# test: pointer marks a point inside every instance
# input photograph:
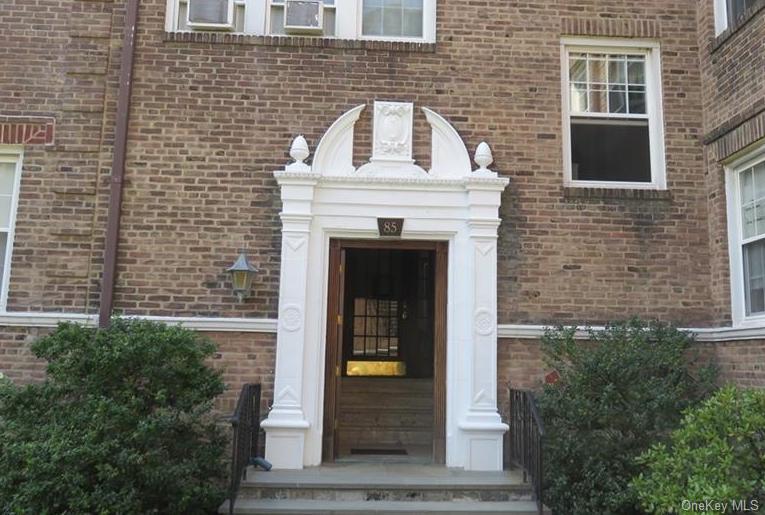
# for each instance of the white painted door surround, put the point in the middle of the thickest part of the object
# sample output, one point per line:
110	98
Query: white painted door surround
333	199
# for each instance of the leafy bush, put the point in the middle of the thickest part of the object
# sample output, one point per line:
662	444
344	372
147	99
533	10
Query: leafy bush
122	424
617	394
718	453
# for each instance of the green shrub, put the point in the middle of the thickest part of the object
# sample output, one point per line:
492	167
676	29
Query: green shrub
616	395
122	424
718	453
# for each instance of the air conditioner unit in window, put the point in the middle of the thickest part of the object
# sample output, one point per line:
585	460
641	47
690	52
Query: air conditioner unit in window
211	14
303	16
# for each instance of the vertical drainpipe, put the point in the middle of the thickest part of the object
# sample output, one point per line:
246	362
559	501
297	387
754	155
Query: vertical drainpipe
118	163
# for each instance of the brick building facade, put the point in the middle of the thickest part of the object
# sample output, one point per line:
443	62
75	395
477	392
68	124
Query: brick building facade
212	115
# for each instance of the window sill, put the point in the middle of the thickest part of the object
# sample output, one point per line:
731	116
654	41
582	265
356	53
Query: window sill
744	20
587	193
297	41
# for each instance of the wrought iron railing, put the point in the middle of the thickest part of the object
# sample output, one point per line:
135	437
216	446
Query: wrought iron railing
245	423
526	434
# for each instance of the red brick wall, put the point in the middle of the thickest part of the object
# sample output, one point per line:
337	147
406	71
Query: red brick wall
243	358
211	121
733	85
742	362
17	362
55	57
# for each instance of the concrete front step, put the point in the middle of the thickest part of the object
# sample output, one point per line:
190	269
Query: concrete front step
305	507
383	488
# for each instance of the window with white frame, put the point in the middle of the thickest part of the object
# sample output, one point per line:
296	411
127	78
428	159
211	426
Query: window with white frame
10	176
728	12
613	124
746	231
392	18
397	20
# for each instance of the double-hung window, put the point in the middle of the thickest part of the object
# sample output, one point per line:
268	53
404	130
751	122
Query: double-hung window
745	188
10	176
728	12
396	20
392	18
613	128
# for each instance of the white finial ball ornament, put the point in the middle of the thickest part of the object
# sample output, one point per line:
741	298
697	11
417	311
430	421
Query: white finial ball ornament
483	157
299	149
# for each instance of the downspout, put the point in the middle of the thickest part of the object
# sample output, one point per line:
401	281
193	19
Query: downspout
118	164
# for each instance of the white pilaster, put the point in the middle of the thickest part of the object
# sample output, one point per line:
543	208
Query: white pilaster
482	428
286	424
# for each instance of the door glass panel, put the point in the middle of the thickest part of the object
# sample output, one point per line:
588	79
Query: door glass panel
389	309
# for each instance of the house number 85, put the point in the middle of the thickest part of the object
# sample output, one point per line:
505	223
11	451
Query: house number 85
390	227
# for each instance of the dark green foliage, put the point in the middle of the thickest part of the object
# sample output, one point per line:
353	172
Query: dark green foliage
718	453
618	393
121	425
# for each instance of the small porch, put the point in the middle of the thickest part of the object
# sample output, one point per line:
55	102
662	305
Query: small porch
384	488
385	483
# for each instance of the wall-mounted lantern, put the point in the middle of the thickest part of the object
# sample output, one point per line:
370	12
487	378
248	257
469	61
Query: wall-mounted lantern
242	274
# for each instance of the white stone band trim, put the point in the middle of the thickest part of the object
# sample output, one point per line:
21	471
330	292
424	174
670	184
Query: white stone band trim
702	334
222	324
269	325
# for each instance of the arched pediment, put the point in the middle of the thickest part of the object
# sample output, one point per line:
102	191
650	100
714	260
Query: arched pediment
334	155
392	147
448	156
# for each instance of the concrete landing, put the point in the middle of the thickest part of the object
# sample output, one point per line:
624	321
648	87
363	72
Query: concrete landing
383	475
383	488
304	507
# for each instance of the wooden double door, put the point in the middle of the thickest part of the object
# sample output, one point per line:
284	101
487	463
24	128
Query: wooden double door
385	379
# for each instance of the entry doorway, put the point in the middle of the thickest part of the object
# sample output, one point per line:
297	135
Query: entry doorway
385	388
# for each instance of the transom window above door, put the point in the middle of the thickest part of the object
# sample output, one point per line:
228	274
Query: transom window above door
612	126
394	20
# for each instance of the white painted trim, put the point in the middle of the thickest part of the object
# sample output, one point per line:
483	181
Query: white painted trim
705	334
207	324
44	319
11	154
269	325
725	334
222	324
171	16
721	16
654	106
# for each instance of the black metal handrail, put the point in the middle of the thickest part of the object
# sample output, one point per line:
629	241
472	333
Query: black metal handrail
526	434
245	423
